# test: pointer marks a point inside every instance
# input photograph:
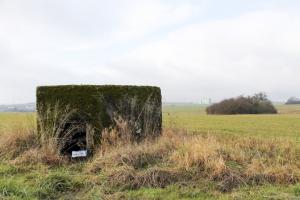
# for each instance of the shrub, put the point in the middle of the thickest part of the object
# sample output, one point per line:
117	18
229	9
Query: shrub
293	100
257	104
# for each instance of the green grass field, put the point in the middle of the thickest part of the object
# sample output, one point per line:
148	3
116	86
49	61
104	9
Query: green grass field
71	181
193	118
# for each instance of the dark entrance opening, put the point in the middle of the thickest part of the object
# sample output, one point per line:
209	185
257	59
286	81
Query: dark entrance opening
73	135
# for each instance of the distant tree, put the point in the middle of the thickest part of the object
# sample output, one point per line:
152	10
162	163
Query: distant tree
260	97
256	104
293	100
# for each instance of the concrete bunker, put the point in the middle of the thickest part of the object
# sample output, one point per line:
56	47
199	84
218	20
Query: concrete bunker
76	115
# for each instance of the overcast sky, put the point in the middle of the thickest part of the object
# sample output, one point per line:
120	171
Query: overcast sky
192	49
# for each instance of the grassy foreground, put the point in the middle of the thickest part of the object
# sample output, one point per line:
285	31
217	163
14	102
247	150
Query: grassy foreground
197	157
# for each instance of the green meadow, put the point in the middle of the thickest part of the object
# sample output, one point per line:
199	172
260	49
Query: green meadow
194	119
267	168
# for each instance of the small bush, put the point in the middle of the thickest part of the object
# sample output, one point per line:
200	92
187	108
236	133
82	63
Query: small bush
257	104
293	100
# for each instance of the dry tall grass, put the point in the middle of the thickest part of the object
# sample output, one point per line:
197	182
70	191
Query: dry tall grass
180	157
174	157
22	145
16	141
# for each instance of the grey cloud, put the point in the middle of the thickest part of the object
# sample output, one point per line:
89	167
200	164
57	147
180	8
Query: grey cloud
185	47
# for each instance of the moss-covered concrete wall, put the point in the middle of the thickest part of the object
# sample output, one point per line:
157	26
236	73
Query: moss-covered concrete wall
99	106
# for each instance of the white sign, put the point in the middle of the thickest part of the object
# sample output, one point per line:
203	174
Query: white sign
81	153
